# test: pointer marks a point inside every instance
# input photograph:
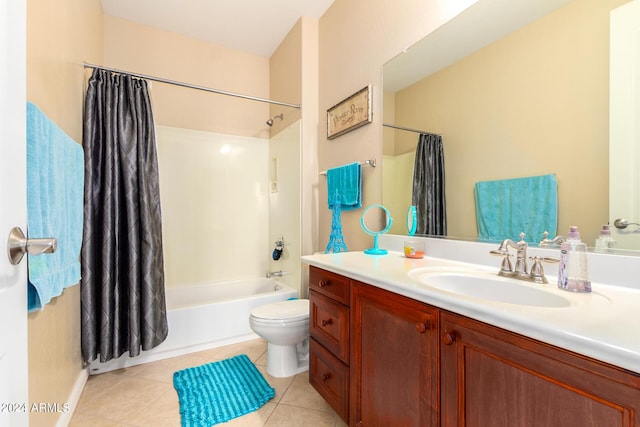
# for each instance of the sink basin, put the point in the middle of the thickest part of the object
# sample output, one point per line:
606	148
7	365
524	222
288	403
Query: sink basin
488	286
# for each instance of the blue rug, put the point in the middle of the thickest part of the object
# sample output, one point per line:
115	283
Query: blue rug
220	391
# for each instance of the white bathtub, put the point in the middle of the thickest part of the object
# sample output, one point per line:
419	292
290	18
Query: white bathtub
206	316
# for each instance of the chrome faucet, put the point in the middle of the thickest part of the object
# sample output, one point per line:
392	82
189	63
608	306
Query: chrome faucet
521	271
546	242
279	273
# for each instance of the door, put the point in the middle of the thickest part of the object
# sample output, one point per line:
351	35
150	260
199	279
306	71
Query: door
624	123
14	405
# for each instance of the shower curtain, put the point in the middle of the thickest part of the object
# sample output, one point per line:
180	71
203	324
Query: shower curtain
428	186
122	287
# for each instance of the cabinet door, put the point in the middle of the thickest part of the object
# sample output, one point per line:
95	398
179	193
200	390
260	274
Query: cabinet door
393	359
491	377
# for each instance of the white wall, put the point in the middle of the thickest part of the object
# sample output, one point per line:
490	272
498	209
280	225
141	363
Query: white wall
284	206
214	192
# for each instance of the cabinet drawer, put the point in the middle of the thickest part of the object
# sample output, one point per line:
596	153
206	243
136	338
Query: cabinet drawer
329	324
329	284
330	377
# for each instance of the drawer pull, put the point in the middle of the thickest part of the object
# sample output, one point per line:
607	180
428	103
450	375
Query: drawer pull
324	283
326	377
326	322
421	327
449	338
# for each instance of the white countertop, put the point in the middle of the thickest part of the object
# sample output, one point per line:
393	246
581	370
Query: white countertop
603	324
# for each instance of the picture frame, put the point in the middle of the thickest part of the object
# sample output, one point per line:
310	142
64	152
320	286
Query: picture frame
349	114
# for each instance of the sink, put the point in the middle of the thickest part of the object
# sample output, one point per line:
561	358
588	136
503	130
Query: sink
488	286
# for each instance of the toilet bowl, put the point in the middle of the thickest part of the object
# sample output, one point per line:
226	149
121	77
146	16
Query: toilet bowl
285	326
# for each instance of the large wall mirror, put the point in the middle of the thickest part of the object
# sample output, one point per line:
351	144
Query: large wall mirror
515	88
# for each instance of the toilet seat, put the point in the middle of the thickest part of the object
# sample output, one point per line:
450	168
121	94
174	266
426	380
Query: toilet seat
289	311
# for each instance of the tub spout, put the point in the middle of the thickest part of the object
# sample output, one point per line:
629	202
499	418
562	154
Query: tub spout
276	274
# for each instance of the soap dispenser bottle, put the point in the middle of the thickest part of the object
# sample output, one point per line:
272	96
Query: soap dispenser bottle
573	272
605	242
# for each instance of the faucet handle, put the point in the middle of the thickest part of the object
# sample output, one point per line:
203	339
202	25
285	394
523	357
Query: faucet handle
537	272
505	268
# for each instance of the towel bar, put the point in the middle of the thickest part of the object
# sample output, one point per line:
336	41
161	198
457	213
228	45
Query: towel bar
370	162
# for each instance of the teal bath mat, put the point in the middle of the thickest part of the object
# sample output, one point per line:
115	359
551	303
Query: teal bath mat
220	391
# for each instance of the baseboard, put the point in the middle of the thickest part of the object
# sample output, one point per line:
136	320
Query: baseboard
74	398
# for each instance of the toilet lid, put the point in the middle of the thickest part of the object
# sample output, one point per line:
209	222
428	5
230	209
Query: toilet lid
284	310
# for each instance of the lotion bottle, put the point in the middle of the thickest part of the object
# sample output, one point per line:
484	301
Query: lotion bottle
573	272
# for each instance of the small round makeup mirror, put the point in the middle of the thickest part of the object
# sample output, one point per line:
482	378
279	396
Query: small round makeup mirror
376	249
412	220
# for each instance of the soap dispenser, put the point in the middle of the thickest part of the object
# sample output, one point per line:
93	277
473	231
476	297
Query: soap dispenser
605	242
573	272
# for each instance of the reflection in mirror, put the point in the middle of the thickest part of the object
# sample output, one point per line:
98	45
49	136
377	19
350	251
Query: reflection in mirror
531	101
412	220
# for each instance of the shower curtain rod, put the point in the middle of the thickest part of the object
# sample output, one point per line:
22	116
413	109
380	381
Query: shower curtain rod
409	129
191	86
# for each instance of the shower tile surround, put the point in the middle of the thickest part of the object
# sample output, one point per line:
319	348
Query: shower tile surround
214	191
144	395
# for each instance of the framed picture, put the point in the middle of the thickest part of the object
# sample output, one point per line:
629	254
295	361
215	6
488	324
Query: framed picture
347	115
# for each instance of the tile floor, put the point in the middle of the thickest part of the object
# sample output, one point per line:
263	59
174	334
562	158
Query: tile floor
143	395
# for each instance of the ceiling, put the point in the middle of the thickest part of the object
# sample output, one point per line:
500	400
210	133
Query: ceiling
254	26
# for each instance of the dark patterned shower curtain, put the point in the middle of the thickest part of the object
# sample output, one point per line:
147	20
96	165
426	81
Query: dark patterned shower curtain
428	186
122	286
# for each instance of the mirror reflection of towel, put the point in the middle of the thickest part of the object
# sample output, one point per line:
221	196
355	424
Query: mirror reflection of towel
507	207
347	181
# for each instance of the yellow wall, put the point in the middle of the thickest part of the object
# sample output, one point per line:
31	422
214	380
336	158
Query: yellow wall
356	37
138	48
60	36
533	103
285	78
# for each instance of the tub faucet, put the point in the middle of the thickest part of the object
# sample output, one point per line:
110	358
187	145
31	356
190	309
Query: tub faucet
279	273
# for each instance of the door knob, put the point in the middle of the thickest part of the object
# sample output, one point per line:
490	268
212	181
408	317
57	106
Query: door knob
18	245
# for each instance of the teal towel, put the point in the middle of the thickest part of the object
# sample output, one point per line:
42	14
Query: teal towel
507	207
55	197
347	181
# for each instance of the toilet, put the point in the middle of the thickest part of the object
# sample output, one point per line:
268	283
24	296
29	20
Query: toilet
285	326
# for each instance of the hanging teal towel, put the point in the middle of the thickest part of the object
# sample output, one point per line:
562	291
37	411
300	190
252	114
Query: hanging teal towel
507	207
55	196
347	181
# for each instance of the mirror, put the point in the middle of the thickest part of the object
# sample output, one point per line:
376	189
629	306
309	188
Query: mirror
515	88
366	220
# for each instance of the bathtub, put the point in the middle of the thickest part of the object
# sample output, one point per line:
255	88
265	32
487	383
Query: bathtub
201	317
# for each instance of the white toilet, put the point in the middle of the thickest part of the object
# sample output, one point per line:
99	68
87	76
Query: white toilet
285	326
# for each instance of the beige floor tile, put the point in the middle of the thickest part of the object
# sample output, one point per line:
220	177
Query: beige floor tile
125	399
143	395
301	393
293	416
254	419
163	370
162	412
280	384
86	420
254	349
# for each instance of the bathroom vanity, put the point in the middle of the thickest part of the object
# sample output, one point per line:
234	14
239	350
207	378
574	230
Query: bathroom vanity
389	349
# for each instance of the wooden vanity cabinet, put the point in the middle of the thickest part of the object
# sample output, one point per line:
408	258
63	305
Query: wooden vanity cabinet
329	295
492	377
382	359
394	359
